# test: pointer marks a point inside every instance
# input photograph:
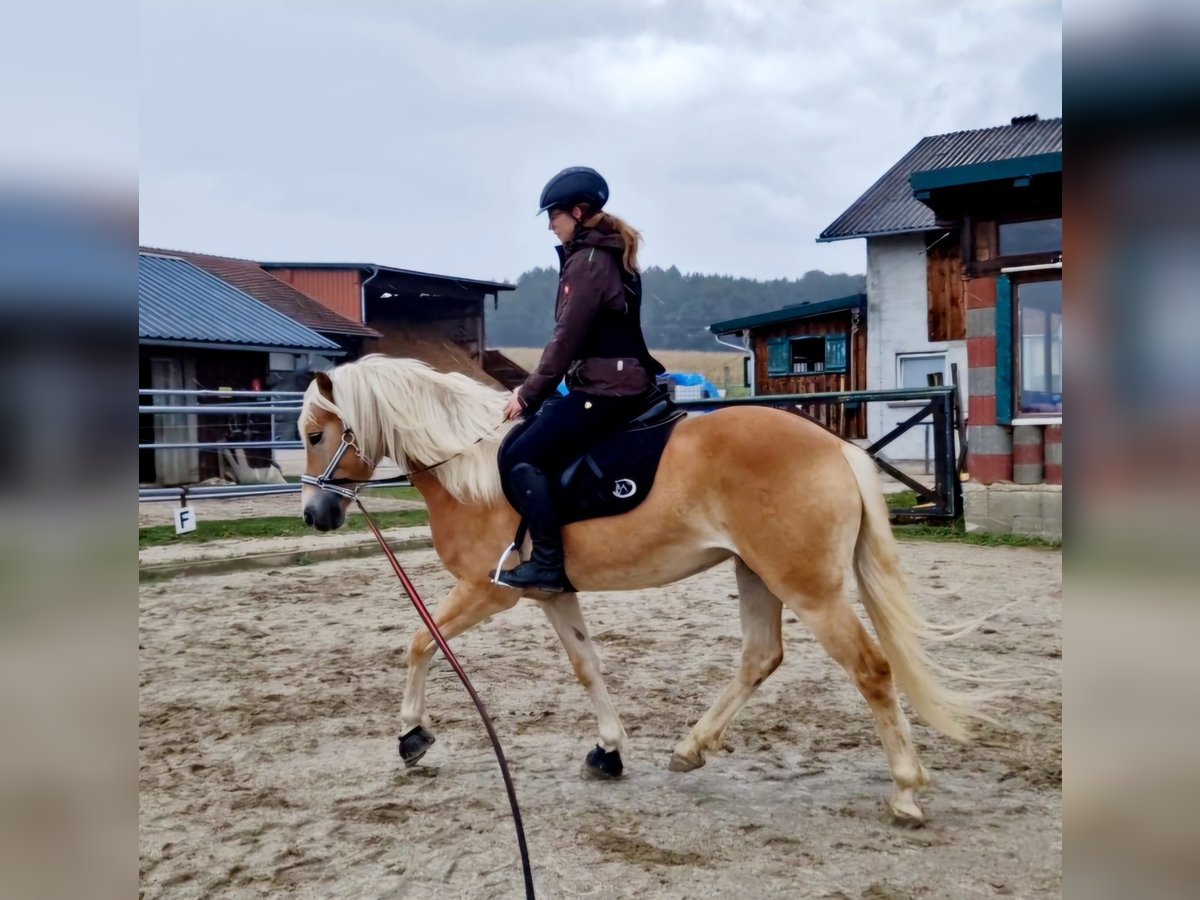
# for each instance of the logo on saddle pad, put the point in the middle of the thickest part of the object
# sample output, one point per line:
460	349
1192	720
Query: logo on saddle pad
624	488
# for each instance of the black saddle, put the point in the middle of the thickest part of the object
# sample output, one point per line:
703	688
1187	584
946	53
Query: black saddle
615	475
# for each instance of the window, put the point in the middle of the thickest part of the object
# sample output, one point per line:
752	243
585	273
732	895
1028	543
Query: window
1039	347
807	355
913	370
282	362
1035	236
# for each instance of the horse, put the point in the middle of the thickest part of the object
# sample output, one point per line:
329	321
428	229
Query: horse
796	508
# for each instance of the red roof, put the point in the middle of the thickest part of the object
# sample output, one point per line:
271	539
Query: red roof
249	277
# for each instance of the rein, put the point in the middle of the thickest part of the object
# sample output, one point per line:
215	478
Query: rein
526	871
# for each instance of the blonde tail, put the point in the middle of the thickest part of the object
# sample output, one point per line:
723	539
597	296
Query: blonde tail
900	628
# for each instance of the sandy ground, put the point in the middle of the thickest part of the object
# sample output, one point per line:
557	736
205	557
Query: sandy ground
269	707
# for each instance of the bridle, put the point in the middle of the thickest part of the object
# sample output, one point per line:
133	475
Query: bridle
327	482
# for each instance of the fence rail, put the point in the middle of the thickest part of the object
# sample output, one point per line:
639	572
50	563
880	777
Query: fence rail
942	406
941	412
170	411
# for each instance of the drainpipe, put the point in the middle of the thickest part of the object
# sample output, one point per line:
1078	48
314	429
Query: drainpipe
745	348
362	296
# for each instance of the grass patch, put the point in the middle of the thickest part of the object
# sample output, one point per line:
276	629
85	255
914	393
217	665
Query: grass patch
901	500
957	534
269	527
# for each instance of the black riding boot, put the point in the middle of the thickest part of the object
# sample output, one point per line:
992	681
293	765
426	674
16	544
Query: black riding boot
544	568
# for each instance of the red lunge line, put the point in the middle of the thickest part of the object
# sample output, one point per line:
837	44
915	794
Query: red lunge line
462	676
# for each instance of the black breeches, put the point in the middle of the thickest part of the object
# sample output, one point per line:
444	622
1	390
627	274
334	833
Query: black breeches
565	427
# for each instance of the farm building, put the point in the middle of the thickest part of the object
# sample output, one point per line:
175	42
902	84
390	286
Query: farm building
437	318
964	265
809	348
222	323
198	332
248	276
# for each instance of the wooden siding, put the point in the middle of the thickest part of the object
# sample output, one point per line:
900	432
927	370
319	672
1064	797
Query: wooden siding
339	290
458	322
944	277
848	423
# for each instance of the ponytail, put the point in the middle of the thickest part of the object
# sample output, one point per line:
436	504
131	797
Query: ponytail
630	235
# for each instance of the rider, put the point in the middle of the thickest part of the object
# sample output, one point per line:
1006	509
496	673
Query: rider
597	344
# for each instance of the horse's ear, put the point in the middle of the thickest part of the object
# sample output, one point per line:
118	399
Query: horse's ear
324	385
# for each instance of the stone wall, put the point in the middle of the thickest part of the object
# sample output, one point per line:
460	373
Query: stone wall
1004	508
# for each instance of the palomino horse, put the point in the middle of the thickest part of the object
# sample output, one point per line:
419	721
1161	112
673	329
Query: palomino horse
722	476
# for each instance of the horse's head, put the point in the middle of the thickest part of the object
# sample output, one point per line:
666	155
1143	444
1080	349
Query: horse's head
332	454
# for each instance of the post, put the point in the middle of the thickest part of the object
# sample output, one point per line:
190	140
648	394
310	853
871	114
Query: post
941	422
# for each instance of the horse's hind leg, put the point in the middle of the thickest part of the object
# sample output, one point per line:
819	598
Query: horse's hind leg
468	604
762	652
847	641
567	619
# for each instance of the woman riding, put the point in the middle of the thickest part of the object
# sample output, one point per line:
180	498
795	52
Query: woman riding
597	345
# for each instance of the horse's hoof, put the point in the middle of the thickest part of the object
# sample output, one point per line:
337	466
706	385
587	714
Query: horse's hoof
414	744
604	764
681	763
906	813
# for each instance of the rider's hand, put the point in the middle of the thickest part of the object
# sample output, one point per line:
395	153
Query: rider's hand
514	407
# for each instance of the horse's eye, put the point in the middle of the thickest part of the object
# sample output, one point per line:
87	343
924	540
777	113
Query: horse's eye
315	439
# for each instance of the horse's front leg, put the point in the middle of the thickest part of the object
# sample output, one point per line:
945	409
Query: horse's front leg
565	615
468	604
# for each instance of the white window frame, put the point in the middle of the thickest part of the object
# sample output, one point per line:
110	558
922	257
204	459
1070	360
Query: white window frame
916	354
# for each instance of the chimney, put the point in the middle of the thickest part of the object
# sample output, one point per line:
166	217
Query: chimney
1024	120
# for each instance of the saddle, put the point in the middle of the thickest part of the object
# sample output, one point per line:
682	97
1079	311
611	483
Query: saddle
615	475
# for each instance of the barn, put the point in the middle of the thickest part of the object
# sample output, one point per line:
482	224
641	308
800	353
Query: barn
198	332
436	318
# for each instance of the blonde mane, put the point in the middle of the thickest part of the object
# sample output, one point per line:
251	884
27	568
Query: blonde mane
417	416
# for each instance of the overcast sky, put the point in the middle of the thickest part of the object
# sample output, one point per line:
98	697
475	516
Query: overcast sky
419	135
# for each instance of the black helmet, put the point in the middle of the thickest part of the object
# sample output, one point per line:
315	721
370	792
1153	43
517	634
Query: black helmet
574	185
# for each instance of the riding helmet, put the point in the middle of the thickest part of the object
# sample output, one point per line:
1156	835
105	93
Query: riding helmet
574	185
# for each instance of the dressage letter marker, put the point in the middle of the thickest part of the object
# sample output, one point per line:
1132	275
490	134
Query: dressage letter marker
185	520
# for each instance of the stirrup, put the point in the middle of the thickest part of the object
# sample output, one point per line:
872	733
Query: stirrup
560	585
496	573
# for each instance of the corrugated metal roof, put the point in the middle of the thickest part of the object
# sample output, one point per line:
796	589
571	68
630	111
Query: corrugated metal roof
178	301
789	313
249	276
888	206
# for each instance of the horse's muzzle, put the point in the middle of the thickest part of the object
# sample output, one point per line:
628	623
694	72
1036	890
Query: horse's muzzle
324	513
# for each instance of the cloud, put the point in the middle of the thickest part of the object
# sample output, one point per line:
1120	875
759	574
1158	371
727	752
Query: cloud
421	134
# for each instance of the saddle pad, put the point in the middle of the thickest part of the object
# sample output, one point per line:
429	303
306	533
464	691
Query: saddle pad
611	478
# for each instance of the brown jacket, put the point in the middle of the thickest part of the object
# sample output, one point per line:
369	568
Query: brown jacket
597	342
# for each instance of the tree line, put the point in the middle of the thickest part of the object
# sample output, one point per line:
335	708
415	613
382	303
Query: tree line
676	308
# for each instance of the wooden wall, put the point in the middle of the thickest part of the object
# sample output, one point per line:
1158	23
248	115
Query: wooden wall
337	289
849	423
944	278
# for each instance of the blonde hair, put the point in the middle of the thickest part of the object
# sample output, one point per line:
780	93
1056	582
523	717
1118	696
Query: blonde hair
629	234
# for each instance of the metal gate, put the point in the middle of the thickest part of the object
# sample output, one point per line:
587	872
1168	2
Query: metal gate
941	408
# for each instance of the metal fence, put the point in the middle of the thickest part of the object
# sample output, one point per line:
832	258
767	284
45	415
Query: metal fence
941	406
940	412
236	410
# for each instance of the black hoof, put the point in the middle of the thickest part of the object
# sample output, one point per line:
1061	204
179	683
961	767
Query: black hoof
602	763
414	745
